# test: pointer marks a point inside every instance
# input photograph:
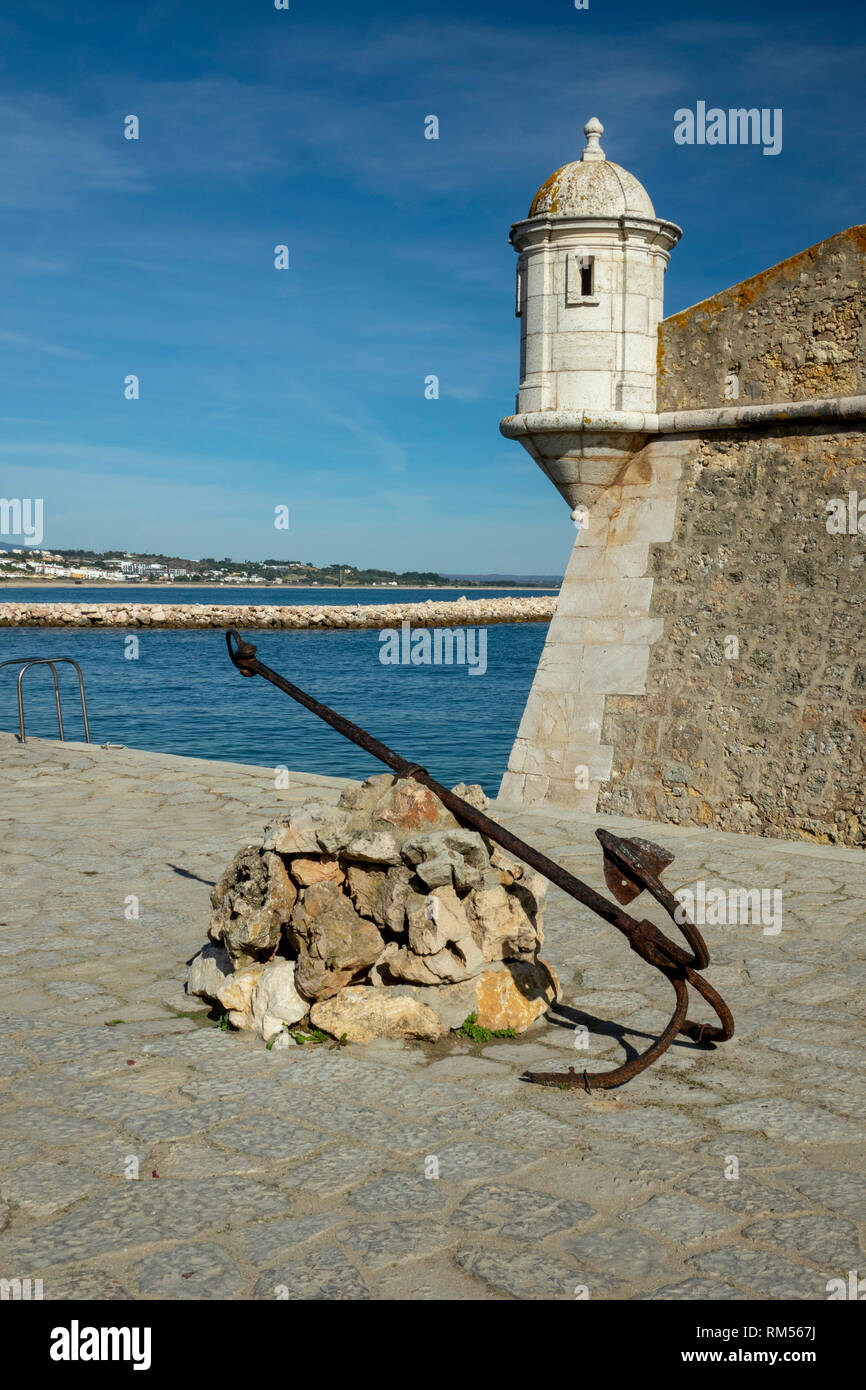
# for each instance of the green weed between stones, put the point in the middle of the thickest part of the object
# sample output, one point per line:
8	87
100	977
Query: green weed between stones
470	1029
315	1037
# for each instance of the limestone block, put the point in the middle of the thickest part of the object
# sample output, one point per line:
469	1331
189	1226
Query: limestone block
516	996
309	869
299	831
615	670
452	1004
208	971
473	793
640	397
567	717
584	389
513	782
532	398
380	894
592	316
275	1000
252	902
645	519
603	471
567	757
408	806
648	630
636	315
535	790
663	467
362	796
625	561
374	847
236	995
642	278
534	352
536	274
458	961
585	562
601	632
560	677
436	921
641	353
447	856
333	942
623	598
362	1013
502	926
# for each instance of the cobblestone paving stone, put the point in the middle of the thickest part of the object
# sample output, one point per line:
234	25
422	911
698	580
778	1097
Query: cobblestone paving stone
145	1153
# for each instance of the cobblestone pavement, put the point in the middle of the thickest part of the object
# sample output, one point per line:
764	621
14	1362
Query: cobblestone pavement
307	1173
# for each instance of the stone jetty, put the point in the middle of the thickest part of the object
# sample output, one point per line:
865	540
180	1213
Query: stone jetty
463	612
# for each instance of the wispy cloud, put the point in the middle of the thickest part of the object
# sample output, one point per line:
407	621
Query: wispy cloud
389	453
52	156
24	340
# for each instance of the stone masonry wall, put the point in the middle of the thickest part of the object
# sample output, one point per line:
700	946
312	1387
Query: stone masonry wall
792	333
772	740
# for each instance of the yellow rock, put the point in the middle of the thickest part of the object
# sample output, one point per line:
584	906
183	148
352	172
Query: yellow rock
236	995
361	1013
516	996
307	870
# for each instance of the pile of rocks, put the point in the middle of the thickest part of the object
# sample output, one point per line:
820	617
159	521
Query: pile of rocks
381	916
432	613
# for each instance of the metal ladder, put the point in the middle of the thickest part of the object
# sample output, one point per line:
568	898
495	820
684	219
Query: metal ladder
25	662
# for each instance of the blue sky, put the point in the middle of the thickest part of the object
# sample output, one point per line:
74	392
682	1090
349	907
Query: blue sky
306	127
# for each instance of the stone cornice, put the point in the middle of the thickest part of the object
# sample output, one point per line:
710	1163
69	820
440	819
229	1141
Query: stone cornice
743	417
548	228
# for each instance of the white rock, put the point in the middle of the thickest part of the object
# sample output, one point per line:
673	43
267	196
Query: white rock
436	921
307	829
236	995
208	971
275	1001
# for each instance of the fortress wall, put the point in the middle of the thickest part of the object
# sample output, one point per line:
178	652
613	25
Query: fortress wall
772	740
795	332
600	639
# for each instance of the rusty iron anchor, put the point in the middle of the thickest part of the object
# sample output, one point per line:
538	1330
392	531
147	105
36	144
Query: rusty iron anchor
631	866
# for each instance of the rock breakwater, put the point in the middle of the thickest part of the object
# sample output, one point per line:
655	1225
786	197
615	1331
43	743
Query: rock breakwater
462	612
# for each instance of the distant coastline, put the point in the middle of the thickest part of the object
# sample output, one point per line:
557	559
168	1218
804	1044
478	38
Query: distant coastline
39	582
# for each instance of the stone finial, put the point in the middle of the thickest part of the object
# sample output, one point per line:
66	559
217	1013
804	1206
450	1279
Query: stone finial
593	130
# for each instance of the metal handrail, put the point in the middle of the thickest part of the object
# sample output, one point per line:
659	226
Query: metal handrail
25	662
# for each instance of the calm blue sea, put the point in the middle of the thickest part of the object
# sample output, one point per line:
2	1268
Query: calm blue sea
183	695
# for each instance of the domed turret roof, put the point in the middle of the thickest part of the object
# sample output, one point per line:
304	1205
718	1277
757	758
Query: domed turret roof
592	186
